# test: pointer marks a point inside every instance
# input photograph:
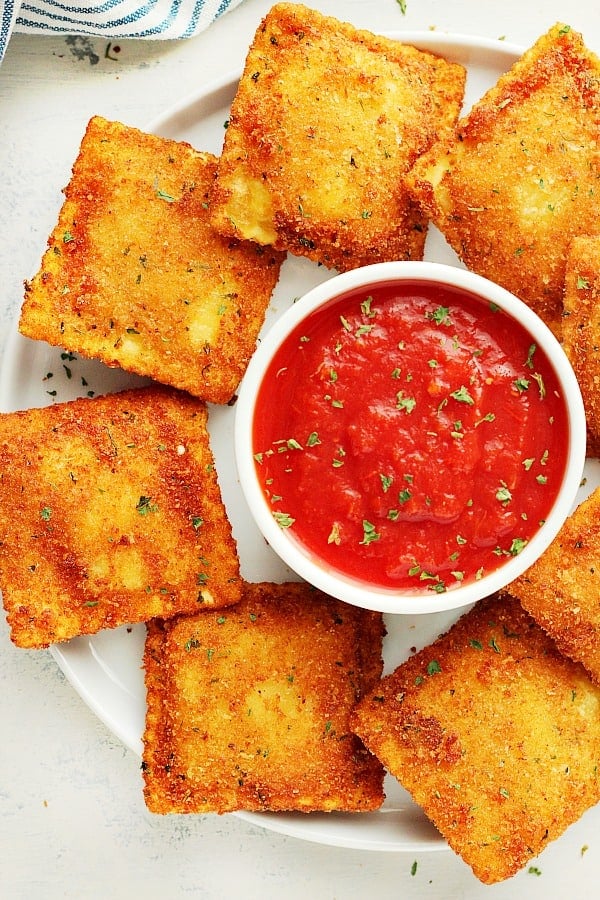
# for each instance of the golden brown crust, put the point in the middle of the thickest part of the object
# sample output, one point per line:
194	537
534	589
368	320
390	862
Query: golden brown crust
135	275
494	733
110	513
325	120
561	590
581	328
249	709
521	176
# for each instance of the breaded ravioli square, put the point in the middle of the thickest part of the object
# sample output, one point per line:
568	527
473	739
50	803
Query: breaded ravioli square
135	275
561	590
495	735
522	173
110	513
581	328
325	121
248	708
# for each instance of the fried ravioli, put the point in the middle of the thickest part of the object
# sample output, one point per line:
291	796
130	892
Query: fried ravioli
581	328
248	709
135	275
110	513
494	733
561	590
325	120
522	174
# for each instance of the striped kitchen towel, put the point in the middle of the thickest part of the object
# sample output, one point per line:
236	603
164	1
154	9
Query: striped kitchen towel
158	19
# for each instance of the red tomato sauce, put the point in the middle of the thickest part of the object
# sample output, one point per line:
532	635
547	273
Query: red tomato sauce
410	436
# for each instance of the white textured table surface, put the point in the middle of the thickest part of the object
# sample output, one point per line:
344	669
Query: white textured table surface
72	819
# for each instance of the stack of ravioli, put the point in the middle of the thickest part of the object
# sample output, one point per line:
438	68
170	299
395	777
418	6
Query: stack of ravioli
341	147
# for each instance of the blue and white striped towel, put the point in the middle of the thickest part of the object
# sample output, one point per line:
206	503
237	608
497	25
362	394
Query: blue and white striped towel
158	19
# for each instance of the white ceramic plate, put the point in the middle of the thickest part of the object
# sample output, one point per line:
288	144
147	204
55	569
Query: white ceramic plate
105	669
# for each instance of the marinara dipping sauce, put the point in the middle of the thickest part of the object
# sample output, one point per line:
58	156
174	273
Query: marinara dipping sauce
410	435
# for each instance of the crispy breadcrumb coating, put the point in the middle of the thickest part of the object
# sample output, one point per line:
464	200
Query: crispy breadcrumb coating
522	174
325	121
110	513
135	275
561	590
495	735
581	328
248	709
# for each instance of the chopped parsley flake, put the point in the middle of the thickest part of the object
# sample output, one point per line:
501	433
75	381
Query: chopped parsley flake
517	545
462	395
386	482
145	506
503	494
370	533
529	360
192	644
407	404
162	195
440	315
283	519
334	535
366	308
